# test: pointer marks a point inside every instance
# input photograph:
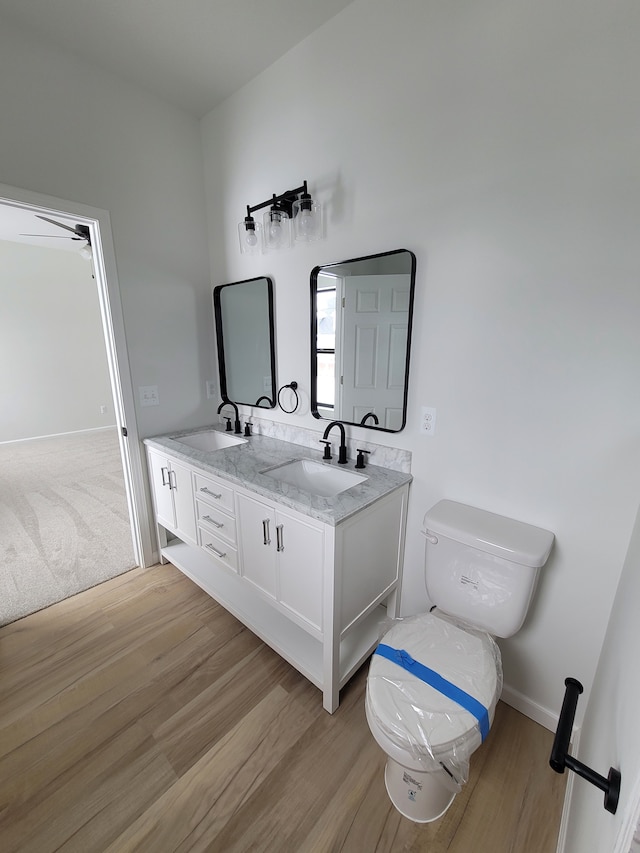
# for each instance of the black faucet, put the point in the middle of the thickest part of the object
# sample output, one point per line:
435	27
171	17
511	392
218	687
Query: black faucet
264	397
342	453
237	427
369	415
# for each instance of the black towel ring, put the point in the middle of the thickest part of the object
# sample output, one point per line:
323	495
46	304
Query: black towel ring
292	386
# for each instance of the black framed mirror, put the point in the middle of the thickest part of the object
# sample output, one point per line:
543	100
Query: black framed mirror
361	319
244	319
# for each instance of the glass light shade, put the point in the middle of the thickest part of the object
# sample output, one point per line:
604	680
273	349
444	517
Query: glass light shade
307	220
250	238
277	230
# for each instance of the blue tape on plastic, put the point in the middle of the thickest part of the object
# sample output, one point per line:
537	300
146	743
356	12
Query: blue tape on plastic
431	677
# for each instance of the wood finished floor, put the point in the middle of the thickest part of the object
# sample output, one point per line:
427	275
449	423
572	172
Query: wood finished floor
141	716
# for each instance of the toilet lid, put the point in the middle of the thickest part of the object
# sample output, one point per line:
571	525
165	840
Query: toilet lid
412	712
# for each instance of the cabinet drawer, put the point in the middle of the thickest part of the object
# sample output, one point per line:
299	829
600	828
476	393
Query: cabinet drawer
214	493
219	523
218	549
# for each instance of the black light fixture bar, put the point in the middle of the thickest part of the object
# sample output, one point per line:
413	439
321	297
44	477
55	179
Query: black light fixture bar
281	202
292	216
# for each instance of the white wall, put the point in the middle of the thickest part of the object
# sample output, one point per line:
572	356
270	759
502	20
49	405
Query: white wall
54	376
498	141
73	132
610	736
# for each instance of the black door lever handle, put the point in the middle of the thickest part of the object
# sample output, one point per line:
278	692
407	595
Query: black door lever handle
560	757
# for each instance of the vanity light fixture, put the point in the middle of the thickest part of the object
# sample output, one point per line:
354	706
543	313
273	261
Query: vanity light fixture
293	214
307	218
250	233
277	226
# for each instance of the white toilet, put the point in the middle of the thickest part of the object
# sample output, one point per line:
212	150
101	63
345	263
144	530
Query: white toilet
435	679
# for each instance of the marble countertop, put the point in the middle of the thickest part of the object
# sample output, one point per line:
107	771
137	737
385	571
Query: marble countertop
242	464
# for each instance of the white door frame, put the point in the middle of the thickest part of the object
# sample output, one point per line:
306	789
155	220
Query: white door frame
104	264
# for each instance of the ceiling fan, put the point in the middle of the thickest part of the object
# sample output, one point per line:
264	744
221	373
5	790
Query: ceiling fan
81	231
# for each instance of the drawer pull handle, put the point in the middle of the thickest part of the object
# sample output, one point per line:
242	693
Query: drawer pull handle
215	550
210	493
212	520
279	538
165	481
265	531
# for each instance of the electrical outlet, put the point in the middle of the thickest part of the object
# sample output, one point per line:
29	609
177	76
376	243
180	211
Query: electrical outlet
149	395
427	420
103	409
211	389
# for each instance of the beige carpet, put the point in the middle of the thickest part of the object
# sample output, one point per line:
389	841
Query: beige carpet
64	522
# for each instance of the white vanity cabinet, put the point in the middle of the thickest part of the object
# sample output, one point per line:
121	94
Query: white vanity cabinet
172	495
283	557
215	512
316	592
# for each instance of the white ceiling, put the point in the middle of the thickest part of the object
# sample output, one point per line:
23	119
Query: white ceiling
193	53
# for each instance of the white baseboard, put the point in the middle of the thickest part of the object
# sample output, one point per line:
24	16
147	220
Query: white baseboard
58	434
531	709
568	791
564	819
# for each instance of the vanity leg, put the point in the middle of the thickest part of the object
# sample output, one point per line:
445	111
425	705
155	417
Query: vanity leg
331	632
331	667
161	535
331	699
393	604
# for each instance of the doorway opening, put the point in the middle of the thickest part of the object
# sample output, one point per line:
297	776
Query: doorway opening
94	223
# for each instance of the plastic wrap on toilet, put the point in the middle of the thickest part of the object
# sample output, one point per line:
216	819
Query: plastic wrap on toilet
432	689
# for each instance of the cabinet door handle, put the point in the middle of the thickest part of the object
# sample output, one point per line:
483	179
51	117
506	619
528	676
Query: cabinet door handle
212	520
165	480
172	480
210	493
279	538
265	531
215	550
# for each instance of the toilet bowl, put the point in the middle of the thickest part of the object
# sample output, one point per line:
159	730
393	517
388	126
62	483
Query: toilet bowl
428	736
435	679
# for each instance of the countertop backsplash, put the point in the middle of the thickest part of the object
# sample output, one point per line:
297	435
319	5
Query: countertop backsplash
386	457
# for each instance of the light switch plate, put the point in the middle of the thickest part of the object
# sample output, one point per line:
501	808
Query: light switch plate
149	395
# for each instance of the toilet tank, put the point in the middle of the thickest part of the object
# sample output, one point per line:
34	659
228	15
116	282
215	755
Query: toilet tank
482	567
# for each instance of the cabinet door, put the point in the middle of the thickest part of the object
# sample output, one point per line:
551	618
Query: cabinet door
300	562
184	505
258	540
163	499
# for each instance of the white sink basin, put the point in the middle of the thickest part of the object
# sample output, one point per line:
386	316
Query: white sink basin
315	477
210	439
